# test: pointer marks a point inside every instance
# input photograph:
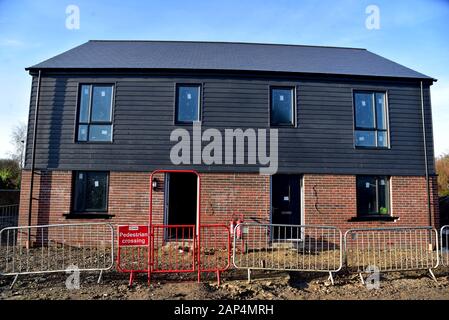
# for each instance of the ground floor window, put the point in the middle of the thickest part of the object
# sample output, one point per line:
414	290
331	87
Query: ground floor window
373	195
90	191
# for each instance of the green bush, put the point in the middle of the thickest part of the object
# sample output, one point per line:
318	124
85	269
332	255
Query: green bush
9	174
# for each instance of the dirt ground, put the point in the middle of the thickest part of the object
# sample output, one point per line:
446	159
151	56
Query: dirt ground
265	285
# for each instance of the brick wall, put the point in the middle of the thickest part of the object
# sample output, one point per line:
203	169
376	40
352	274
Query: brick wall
227	196
328	199
223	195
51	197
331	200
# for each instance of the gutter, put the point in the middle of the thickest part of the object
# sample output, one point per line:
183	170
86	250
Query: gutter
426	163
285	73
33	153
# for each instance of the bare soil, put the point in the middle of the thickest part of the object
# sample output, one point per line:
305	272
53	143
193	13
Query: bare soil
264	285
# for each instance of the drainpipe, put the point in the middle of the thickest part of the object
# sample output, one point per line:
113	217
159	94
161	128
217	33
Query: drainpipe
33	153
426	164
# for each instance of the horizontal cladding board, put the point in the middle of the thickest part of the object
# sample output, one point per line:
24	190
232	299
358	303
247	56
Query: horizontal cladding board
157	161
126	167
341	163
144	117
339	148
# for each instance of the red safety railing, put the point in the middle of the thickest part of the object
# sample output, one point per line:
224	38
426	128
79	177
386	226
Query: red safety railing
214	249
154	247
174	248
132	249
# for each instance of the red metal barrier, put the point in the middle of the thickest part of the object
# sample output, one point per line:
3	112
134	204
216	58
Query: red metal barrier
214	249
174	248
155	241
132	249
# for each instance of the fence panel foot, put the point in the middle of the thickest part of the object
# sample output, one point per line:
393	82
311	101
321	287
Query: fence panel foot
14	281
361	278
218	278
331	278
100	276
249	275
433	276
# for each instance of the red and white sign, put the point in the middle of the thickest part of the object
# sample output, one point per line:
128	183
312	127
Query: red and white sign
132	236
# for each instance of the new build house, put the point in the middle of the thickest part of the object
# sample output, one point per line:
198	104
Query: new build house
282	134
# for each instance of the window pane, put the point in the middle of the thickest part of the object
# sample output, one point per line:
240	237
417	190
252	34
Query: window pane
101	103
79	190
380	111
364	112
365	138
82	132
383	195
382	140
282	106
84	104
188	104
96	191
100	133
366	195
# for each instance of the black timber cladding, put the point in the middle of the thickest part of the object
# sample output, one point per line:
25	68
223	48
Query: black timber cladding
144	111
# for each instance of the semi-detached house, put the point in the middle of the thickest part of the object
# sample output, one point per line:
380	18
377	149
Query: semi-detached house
353	133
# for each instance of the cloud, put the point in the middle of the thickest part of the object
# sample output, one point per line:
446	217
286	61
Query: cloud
440	116
440	95
11	43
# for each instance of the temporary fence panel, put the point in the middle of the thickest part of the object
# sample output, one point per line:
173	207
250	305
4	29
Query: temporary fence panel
56	248
391	249
288	247
214	249
9	216
172	249
444	234
132	249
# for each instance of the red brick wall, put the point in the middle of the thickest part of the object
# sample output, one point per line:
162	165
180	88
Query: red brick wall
51	197
222	195
331	200
328	199
227	196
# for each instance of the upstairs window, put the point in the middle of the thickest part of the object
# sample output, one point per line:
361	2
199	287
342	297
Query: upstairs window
188	98
373	195
90	191
371	129
95	113
282	106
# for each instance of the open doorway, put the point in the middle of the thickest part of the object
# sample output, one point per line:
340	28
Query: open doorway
181	198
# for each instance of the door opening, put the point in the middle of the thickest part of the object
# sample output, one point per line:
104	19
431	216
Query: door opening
181	199
286	204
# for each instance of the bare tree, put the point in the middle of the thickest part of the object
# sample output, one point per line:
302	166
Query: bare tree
18	138
442	168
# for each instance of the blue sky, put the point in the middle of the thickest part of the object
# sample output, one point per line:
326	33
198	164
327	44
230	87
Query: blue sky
413	33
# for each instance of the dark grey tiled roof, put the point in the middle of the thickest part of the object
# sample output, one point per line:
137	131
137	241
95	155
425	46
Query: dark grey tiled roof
103	54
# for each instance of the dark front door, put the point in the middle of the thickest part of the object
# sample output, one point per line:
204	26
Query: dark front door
286	204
